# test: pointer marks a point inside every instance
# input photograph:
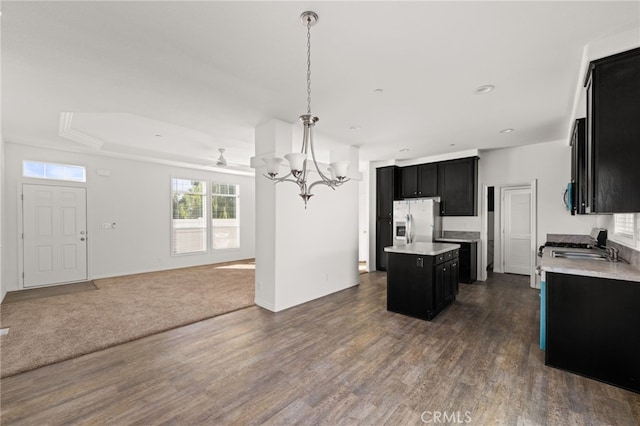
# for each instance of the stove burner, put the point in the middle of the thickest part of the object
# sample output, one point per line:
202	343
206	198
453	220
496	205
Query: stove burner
567	245
564	245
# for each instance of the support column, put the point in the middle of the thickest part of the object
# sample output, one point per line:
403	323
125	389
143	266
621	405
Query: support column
302	254
273	138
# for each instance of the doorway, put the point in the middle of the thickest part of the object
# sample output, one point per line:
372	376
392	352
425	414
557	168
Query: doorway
516	230
493	228
54	224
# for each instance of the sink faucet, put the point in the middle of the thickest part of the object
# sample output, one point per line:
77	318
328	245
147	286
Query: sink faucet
612	252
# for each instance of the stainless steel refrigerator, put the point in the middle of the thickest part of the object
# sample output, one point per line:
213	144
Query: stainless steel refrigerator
416	220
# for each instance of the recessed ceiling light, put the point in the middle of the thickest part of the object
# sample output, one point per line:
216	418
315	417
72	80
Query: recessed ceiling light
355	128
404	150
452	144
506	130
158	136
378	91
484	89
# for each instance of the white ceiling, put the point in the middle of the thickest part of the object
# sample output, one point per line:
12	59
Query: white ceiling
178	80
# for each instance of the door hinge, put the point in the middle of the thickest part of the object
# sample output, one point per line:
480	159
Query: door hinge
23	235
23	275
22	197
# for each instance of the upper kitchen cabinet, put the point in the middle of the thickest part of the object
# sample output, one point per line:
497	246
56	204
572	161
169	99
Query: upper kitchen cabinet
579	167
420	181
613	133
458	187
387	190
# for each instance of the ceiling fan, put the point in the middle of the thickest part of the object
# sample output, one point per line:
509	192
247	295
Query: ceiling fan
221	162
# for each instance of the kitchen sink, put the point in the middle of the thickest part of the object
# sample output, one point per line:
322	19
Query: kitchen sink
579	255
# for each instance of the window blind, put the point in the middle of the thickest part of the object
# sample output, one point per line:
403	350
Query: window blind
188	223
624	225
225	216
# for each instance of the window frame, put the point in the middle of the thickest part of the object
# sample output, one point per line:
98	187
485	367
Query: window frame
83	179
204	194
207	213
625	237
237	218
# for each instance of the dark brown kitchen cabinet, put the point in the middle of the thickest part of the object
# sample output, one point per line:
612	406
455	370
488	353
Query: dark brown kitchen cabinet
592	328
468	262
420	181
447	279
579	167
421	286
387	190
384	238
458	187
613	133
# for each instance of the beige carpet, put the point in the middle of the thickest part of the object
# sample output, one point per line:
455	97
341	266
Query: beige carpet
52	329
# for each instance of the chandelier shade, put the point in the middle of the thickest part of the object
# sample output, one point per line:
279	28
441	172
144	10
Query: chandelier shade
273	165
300	165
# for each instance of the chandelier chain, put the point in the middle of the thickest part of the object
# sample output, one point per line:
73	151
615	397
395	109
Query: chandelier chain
299	163
308	65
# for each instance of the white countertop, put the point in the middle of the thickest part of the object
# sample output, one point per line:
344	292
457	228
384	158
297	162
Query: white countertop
425	249
586	267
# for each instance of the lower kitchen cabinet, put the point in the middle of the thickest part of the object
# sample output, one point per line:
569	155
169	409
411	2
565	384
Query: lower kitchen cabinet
421	286
468	262
467	267
384	238
592	328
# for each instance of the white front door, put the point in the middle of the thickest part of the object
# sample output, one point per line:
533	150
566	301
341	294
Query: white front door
517	230
54	233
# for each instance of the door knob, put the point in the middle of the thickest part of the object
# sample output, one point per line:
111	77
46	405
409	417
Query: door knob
82	239
81	232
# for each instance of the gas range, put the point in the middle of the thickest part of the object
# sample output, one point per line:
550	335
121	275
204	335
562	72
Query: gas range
563	245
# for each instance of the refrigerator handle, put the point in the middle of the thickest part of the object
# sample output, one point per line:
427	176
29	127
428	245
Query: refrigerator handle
408	230
411	231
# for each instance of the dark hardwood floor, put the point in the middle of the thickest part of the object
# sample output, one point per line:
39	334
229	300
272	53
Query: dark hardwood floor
342	359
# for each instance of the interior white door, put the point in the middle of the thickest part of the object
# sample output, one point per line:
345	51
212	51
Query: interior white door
54	233
517	230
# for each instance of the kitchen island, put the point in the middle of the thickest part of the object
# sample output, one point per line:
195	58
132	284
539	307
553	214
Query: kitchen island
422	278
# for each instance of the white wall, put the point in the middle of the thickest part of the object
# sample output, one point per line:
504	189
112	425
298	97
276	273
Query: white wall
3	282
318	246
302	254
363	214
550	165
137	197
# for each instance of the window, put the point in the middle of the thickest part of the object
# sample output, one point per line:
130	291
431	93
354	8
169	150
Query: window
188	224
41	170
225	216
624	226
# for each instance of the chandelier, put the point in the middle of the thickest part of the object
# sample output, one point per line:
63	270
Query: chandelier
299	161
